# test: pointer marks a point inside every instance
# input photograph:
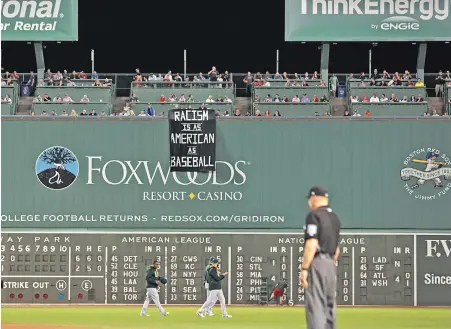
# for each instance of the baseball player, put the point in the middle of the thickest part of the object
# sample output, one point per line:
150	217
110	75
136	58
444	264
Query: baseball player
207	268
431	158
279	291
214	279
322	234
153	279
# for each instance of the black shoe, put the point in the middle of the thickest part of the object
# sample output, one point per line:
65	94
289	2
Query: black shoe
438	186
415	186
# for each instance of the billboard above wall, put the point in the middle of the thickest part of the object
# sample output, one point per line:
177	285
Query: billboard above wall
39	20
367	20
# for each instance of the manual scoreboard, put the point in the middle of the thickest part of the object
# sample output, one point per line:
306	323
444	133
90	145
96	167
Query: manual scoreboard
110	268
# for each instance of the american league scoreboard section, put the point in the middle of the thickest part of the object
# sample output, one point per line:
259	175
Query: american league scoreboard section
110	268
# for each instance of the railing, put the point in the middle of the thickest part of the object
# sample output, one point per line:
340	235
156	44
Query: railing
123	81
183	84
242	118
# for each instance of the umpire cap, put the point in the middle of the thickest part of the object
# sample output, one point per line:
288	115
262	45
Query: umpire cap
215	260
211	259
318	191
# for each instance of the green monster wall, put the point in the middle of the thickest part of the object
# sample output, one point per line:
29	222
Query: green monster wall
264	170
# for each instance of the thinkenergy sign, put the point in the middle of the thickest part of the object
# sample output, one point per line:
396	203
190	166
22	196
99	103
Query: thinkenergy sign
39	20
367	20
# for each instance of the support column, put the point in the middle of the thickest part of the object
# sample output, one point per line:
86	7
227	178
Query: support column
40	64
421	60
325	49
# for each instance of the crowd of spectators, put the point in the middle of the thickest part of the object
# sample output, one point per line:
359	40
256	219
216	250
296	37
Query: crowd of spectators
258	79
66	82
72	113
383	99
384	75
7	82
288	83
440	83
294	80
434	114
258	113
172	98
295	99
218	79
58	99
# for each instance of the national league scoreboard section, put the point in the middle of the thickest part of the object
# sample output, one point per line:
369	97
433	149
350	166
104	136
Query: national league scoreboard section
110	268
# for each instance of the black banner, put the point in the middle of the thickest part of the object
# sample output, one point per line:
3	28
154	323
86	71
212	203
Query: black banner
192	140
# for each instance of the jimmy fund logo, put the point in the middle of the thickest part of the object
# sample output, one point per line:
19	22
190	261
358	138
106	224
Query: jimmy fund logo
429	170
57	168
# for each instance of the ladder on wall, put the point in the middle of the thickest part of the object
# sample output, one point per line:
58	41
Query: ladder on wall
264	297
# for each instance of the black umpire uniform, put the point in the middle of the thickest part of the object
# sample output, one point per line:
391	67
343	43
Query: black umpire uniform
324	225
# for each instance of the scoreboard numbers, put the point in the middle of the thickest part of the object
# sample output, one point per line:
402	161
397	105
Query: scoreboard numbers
110	268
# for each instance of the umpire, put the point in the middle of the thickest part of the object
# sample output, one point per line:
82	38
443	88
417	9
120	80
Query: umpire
322	234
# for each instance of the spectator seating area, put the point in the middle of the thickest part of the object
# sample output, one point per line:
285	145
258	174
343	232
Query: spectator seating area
292	110
162	109
292	101
271	95
377	101
151	92
10	98
81	97
293	83
51	108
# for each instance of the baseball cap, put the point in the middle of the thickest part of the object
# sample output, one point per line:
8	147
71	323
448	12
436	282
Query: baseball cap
211	259
318	191
215	260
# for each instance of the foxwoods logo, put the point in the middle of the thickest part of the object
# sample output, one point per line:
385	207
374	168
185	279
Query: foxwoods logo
57	168
404	15
431	170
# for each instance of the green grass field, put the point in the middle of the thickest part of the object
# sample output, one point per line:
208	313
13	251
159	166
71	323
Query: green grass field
243	318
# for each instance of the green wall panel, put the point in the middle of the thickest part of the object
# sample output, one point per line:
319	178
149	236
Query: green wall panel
268	165
7	108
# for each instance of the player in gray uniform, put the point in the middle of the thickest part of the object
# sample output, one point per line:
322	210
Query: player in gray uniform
153	279
214	279
207	268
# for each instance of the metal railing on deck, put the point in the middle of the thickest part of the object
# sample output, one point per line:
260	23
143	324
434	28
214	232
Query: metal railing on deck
123	81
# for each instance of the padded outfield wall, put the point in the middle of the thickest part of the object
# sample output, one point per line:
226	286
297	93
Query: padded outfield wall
115	174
